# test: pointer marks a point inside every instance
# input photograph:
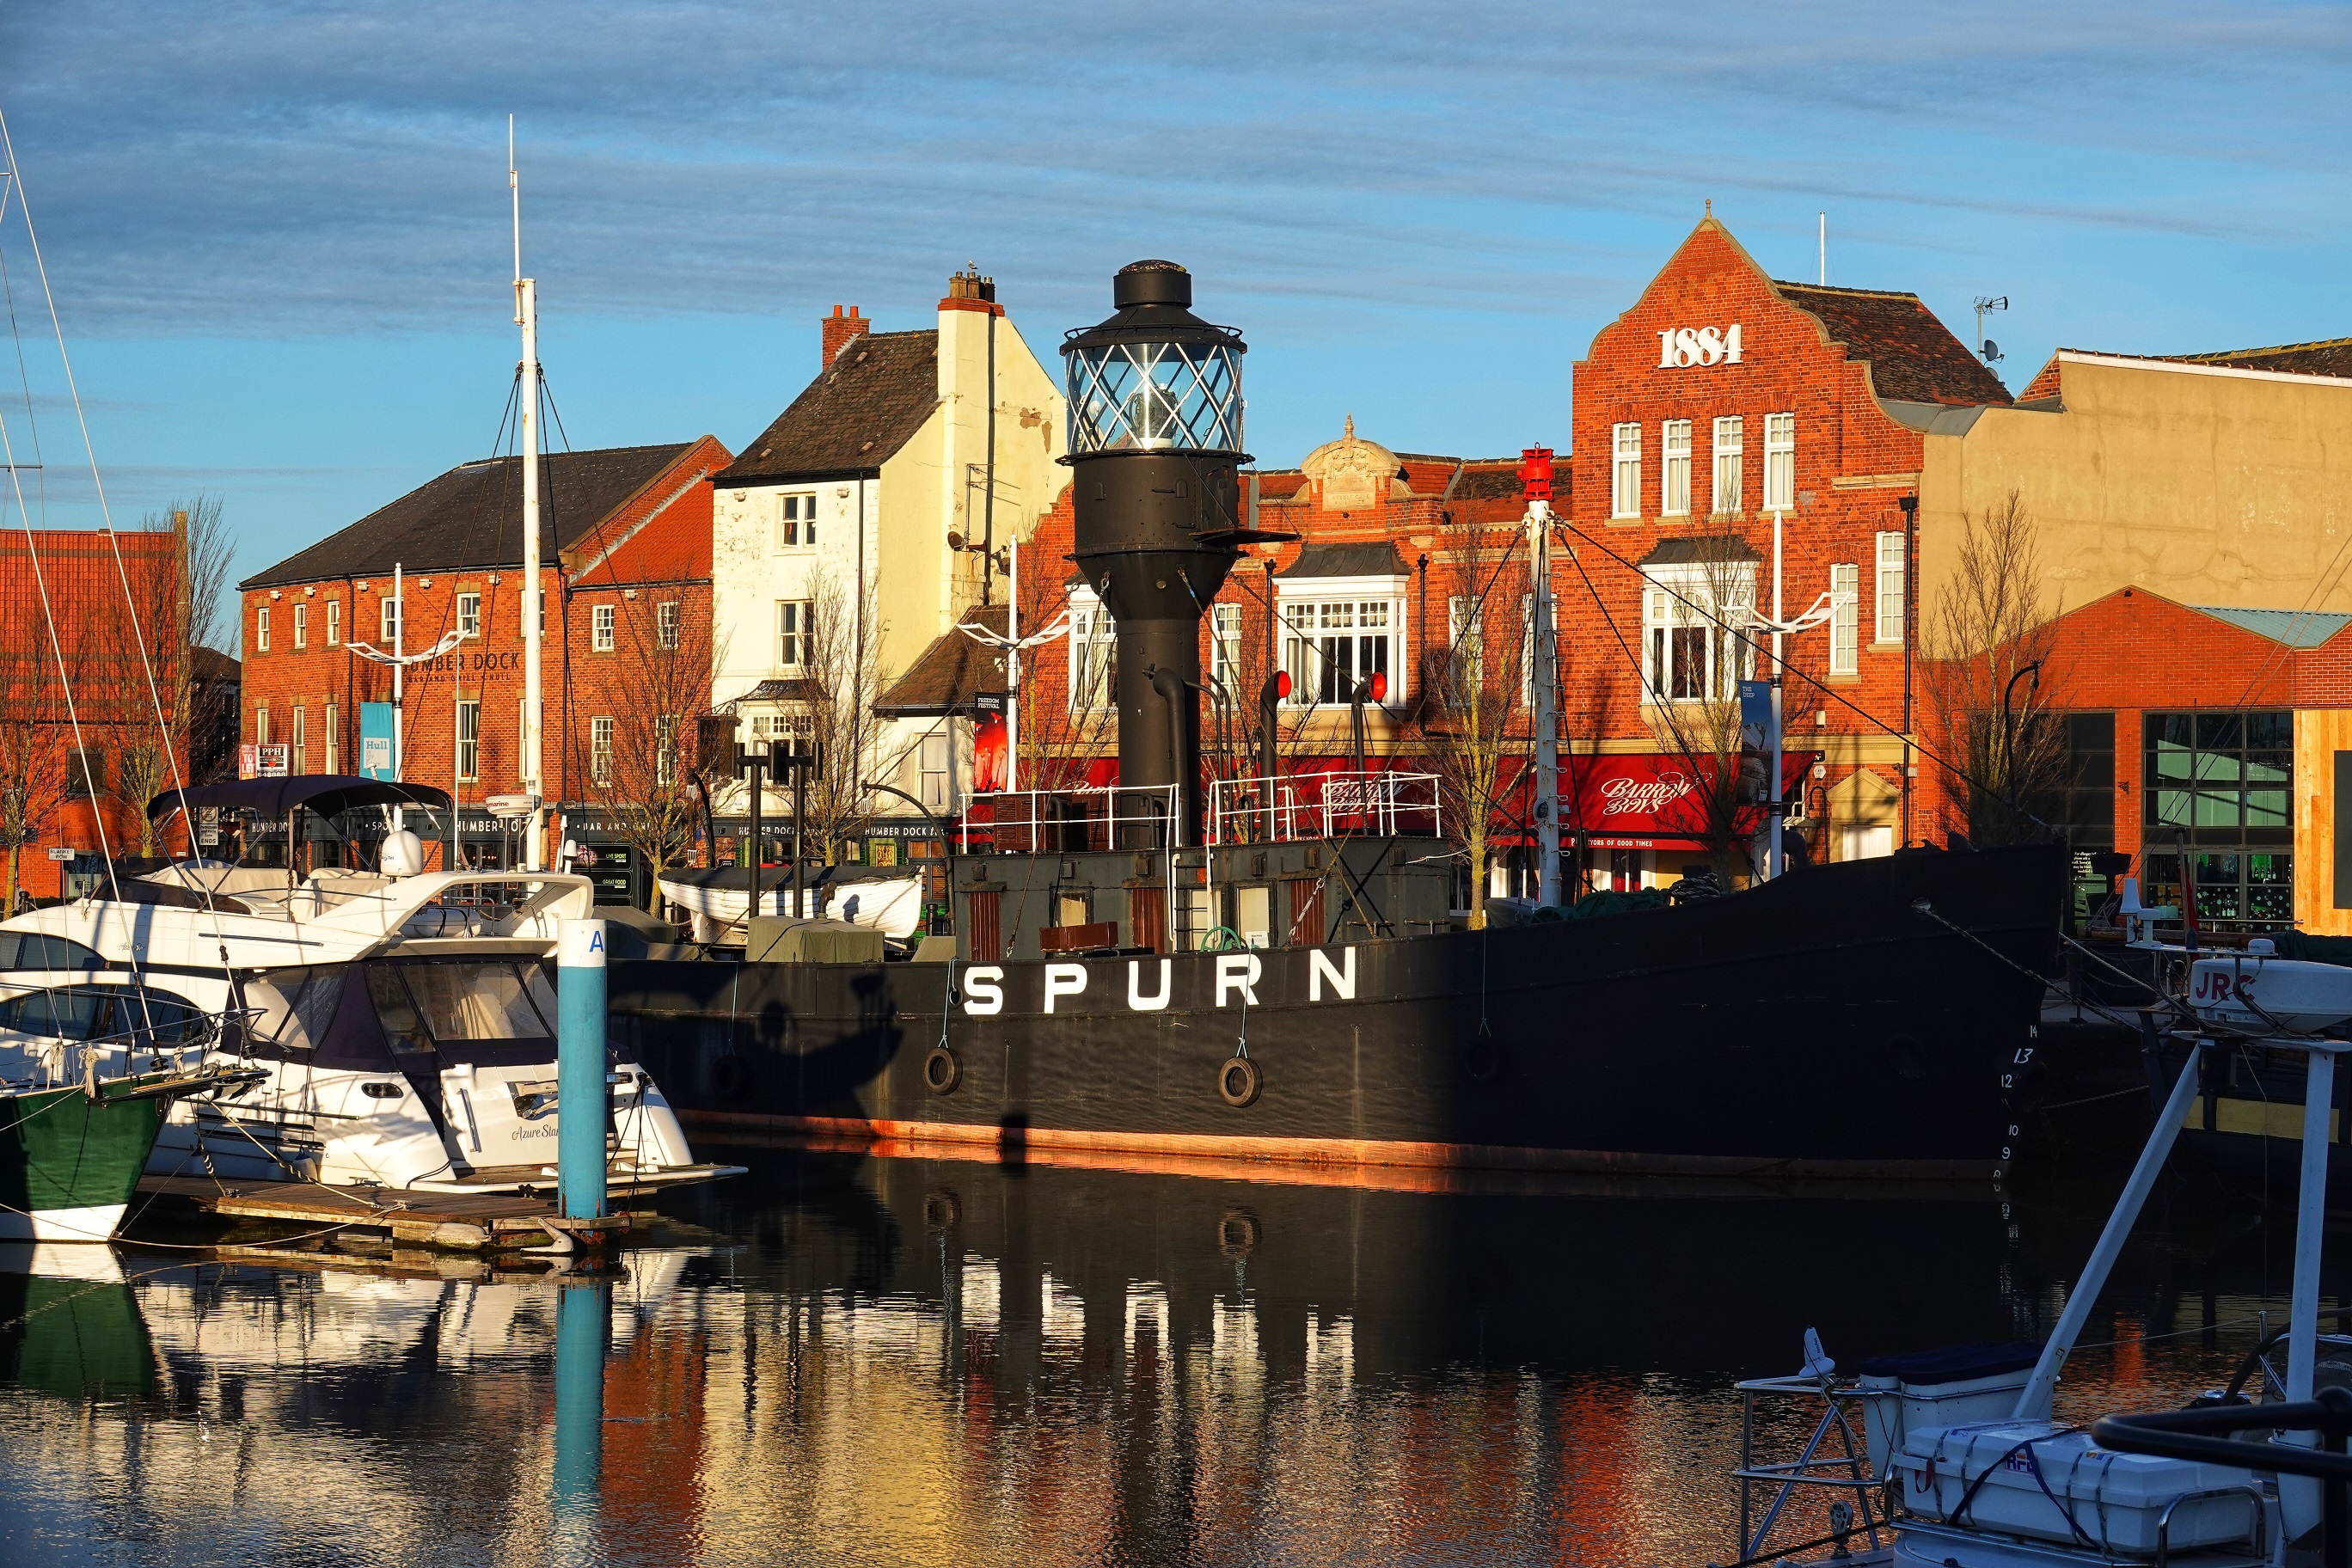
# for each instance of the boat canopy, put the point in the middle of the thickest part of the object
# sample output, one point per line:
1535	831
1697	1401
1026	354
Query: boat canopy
325	793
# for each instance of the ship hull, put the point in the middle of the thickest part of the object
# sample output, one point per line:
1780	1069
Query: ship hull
1822	1024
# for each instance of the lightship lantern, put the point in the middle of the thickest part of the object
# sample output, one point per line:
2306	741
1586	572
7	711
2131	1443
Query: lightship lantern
1155	399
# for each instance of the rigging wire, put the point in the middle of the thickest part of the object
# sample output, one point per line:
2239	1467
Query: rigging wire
139	636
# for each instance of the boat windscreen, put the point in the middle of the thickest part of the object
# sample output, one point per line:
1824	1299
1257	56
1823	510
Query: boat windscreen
477	1001
296	1008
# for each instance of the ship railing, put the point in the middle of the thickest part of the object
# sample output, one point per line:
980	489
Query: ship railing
1846	1471
1052	822
1331	804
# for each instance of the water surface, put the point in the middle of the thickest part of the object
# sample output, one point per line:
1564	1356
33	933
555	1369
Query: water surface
852	1359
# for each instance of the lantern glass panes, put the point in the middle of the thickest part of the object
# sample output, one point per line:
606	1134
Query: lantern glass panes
1150	396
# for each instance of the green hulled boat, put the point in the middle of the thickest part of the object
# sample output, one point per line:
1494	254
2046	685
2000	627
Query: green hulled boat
70	1157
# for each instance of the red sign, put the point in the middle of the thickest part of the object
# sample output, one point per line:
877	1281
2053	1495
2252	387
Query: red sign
1641	802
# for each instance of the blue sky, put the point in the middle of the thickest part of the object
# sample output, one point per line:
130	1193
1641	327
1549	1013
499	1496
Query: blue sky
277	233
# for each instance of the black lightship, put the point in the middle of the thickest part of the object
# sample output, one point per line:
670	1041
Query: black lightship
1269	970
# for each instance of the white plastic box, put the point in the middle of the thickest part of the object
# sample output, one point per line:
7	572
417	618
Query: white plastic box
1897	1409
2114	1499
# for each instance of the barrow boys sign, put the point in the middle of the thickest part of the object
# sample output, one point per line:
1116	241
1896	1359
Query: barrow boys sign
1227	979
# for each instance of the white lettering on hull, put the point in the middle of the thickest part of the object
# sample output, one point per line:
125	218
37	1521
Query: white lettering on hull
1342	974
1237	978
1136	1001
1238	972
983	990
1063	980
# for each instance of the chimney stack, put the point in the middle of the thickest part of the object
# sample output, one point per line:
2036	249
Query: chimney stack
838	329
968	290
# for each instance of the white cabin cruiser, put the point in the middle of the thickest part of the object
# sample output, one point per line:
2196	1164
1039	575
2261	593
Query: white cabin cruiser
404	1020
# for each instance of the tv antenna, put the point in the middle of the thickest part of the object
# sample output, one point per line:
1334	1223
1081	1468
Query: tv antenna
1987	350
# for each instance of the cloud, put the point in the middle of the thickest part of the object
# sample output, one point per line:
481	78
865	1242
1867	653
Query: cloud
285	170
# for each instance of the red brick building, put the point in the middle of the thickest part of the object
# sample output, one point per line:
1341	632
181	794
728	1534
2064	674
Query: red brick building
626	544
1721	401
80	748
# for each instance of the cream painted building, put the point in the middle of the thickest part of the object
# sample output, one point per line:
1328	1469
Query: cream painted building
2221	480
870	495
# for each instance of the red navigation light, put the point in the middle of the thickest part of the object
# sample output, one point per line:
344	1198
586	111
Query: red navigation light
1380	686
1281	683
1535	472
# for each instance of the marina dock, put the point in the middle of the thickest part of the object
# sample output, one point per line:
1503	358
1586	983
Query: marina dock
462	1221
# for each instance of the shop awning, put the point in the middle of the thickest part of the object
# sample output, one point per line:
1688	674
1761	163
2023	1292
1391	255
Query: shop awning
1646	800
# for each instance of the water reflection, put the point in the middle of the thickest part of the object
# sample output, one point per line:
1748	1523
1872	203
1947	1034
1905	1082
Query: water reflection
901	1361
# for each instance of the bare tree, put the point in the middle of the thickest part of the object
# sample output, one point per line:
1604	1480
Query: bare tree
1993	619
1063	727
850	743
1700	647
640	762
165	607
1471	699
33	749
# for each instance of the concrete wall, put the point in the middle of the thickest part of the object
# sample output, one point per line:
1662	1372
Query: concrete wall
2209	485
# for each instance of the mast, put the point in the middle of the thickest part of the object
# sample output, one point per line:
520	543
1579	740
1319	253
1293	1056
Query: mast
527	317
1535	476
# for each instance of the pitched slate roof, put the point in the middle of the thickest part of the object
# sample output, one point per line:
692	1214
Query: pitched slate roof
858	412
2295	628
2332	356
471	517
1374	559
944	676
1913	357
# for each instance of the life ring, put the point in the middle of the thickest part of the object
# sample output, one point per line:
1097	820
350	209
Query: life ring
1238	1081
942	1070
730	1077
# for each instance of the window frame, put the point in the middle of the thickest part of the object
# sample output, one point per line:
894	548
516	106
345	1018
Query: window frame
261	629
1625	470
1093	665
1780	462
600	750
1680	613
1845	618
390	619
1890	604
792	645
1316	629
469	615
1730	452
668	615
795	527
604	628
1225	648
334	623
302	625
1674	469
468	732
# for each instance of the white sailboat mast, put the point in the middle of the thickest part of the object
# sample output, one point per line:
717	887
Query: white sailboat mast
527	317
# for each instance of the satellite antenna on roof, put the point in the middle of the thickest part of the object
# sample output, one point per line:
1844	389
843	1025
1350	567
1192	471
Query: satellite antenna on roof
1987	349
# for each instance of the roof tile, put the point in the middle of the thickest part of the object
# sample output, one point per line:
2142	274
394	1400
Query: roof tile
857	414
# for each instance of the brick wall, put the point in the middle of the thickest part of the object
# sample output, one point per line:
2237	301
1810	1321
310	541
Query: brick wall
652	551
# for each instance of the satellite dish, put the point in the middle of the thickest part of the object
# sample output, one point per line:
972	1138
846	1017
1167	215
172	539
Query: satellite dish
1991	352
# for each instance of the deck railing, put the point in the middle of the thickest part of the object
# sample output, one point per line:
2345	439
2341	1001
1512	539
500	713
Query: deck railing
1332	804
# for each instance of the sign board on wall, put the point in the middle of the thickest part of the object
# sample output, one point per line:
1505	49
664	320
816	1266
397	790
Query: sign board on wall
248	761
62	852
375	740
273	761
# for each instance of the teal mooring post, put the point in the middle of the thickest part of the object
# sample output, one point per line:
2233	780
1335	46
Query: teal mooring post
581	1103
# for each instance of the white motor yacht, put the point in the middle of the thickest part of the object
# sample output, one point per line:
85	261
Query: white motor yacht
404	1020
